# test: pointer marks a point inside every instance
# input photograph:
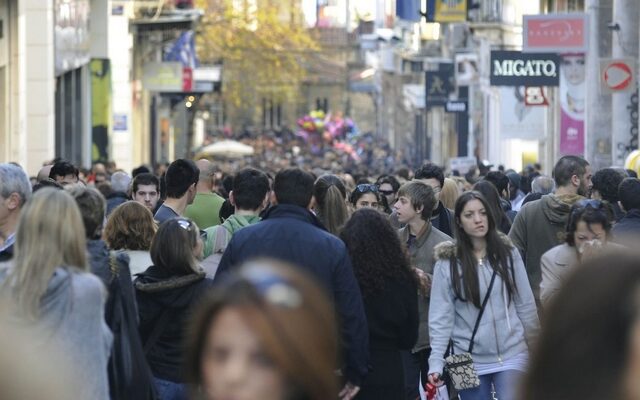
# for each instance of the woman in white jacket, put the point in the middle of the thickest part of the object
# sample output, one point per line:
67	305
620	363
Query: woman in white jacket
510	319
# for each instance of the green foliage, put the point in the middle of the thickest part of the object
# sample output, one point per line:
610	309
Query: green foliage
264	48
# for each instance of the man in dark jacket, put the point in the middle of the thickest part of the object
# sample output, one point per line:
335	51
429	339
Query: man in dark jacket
291	233
605	187
627	230
120	187
15	190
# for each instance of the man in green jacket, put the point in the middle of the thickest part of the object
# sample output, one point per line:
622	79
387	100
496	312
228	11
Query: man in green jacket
249	196
205	209
540	224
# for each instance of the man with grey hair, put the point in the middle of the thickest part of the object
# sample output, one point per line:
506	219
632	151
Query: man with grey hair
205	209
120	182
15	190
543	185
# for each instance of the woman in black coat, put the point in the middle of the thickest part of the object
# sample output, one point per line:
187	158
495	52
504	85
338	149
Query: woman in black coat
166	293
390	293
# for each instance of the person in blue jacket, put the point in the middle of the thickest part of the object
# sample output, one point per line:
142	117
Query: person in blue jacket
291	233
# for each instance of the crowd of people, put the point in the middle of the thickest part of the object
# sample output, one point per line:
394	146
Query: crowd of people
189	282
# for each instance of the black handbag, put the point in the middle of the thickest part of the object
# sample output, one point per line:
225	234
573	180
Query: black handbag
459	367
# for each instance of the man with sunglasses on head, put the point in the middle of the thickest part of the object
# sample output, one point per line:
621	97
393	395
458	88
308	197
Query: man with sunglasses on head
540	224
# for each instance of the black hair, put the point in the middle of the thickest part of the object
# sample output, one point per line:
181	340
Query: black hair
629	194
568	166
430	171
63	168
362	189
143	169
390	179
145	178
250	186
181	174
490	193
293	186
606	182
466	285
598	214
499	180
631	173
376	252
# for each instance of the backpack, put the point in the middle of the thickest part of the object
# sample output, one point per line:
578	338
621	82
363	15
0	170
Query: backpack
129	374
210	264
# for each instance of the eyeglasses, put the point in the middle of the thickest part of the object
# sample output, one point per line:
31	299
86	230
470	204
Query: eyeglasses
367	187
272	287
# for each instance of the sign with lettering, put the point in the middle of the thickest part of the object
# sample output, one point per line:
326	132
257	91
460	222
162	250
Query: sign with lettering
514	68
556	33
439	85
455	106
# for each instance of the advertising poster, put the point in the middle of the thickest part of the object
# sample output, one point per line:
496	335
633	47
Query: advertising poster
572	104
517	120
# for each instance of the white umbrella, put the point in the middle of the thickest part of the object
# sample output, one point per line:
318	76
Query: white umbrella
227	148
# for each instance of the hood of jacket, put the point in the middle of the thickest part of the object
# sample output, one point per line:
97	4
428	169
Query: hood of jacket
446	250
556	208
167	289
99	259
236	222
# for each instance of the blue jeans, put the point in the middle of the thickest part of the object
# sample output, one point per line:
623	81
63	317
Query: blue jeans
506	384
168	390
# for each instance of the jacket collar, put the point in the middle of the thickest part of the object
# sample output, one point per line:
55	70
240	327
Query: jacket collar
155	279
421	238
292	211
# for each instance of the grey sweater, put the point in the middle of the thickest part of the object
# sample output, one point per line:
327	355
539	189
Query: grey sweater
72	322
506	329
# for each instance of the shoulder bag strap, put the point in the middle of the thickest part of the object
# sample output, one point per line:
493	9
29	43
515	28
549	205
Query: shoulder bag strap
484	305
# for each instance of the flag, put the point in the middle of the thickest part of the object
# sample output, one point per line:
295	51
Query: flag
183	50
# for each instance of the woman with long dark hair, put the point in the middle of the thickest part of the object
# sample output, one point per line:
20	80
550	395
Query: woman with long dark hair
481	264
490	193
390	294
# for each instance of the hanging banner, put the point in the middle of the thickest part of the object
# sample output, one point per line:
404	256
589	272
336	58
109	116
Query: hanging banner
517	121
572	104
451	11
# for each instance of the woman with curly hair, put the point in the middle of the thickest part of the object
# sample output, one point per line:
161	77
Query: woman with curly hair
390	293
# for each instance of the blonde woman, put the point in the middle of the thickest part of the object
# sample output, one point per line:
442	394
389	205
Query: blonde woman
50	290
449	193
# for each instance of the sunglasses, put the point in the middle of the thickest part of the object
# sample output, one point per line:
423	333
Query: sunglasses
367	187
271	287
187	225
387	192
595	204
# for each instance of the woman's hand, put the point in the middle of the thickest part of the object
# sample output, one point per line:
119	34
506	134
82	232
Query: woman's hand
435	380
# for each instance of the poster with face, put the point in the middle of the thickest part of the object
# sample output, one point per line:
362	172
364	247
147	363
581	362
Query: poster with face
517	120
572	103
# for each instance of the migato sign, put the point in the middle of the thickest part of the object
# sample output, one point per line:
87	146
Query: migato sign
514	68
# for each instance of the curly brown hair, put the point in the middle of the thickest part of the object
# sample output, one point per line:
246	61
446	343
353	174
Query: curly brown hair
131	227
376	252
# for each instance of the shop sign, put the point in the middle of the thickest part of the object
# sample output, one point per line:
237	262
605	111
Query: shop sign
555	33
514	68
